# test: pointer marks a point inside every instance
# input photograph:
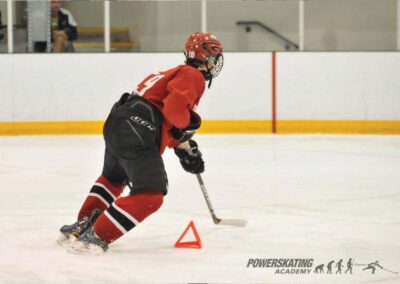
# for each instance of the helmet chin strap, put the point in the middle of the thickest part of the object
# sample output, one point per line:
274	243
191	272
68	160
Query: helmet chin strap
209	82
207	76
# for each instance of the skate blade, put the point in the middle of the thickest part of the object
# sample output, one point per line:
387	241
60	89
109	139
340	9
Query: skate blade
79	247
65	241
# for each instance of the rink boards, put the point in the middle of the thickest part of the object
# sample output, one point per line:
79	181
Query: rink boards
314	92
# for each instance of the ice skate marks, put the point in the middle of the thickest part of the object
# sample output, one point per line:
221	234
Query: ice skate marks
65	241
83	248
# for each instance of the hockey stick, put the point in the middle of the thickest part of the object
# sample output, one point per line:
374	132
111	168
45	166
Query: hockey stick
390	271
217	221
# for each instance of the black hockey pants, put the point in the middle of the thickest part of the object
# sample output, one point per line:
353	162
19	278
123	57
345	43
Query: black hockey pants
131	133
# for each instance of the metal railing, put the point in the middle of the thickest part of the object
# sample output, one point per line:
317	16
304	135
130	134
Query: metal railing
288	43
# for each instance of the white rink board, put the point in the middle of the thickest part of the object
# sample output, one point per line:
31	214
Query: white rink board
337	86
65	87
6	88
348	86
242	90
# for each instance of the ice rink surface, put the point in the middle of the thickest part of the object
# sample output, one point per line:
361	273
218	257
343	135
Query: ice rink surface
320	197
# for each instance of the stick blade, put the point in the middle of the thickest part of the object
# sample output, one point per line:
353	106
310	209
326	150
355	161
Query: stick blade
232	222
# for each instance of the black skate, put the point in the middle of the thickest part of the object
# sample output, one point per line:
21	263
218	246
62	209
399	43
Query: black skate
89	243
70	233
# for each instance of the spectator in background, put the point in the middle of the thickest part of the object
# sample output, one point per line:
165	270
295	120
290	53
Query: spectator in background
63	30
1	28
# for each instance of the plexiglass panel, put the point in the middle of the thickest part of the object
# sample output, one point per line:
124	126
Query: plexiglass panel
3	29
54	26
153	26
89	17
252	25
274	24
350	25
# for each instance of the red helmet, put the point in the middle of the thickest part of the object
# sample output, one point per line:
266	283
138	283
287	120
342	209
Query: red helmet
201	48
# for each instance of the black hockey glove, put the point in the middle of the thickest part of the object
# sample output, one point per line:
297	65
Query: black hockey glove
185	134
191	159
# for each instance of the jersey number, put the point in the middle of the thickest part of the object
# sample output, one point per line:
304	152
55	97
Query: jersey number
144	86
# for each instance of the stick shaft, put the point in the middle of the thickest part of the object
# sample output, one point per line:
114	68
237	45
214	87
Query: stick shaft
230	222
390	271
205	194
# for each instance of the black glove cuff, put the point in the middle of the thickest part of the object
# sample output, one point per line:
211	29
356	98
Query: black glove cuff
193	151
182	135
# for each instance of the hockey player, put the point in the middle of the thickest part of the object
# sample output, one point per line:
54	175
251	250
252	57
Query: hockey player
373	266
159	113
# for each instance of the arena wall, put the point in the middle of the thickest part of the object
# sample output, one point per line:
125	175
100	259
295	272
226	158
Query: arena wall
315	92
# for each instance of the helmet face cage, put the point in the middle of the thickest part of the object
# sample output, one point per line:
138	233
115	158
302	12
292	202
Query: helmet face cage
218	64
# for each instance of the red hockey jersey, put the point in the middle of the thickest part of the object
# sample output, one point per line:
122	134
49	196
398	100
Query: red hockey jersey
174	92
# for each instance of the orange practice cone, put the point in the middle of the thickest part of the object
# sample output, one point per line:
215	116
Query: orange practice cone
195	244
